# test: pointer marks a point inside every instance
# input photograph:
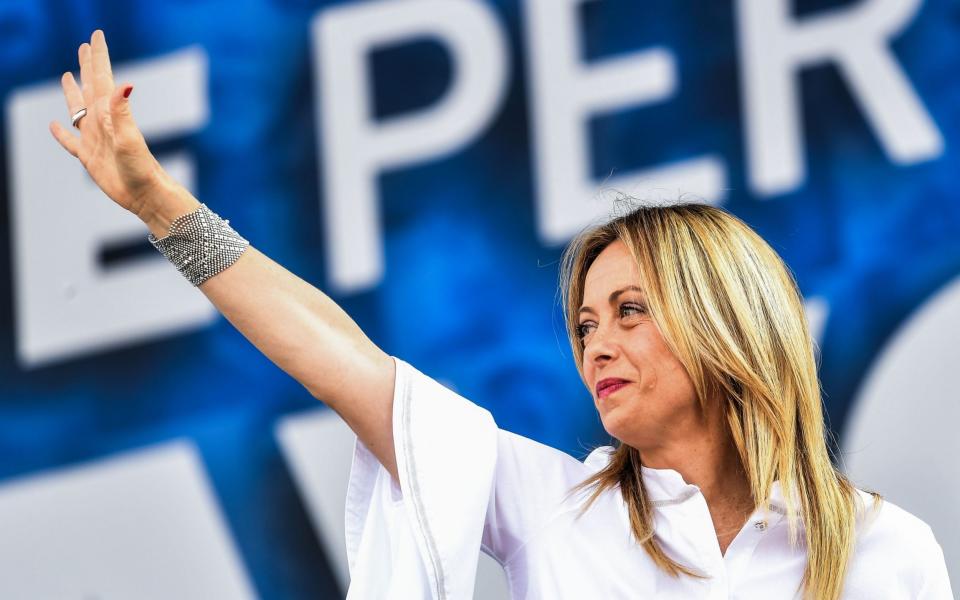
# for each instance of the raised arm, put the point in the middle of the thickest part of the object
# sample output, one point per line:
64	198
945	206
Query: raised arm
297	326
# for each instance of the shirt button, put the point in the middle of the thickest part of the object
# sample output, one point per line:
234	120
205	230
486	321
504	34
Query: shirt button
760	525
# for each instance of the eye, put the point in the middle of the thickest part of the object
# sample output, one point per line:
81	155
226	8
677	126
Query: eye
583	328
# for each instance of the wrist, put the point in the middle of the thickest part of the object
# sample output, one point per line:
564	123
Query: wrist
201	244
166	201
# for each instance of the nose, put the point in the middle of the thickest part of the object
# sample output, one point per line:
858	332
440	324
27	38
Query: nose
602	347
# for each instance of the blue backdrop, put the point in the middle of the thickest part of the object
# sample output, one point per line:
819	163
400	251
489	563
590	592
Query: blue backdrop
469	288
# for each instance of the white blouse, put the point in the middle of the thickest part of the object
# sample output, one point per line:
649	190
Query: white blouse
469	486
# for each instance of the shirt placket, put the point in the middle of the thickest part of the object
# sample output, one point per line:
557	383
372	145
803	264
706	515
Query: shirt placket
740	551
709	549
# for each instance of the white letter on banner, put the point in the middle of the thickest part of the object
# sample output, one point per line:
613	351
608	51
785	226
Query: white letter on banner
66	303
356	148
566	92
774	47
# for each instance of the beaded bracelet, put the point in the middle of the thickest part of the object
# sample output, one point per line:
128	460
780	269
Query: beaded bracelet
200	244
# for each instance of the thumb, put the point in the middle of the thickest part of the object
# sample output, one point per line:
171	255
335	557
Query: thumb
120	114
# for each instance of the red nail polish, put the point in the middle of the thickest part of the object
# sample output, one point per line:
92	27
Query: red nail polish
126	92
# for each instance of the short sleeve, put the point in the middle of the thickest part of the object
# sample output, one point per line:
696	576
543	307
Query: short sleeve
467	487
425	541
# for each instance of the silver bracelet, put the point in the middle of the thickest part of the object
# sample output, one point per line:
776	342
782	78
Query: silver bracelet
200	244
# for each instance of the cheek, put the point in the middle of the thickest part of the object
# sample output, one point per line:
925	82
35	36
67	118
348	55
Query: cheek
679	379
650	380
660	370
664	390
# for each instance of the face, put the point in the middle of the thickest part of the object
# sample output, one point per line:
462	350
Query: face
621	341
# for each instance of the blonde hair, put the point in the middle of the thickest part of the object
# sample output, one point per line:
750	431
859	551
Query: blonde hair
731	312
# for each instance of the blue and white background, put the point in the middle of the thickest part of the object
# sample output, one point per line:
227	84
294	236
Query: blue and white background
423	162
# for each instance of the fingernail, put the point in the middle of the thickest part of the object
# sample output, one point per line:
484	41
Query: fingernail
126	92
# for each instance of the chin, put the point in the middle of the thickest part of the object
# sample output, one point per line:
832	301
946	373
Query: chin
612	426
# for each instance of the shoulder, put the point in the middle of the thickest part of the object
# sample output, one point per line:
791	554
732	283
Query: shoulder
892	542
532	485
882	522
539	477
546	461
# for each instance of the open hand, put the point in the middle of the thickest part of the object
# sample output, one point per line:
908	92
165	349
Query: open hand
110	146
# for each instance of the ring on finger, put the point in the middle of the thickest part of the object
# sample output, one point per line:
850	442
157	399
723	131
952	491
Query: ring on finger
77	116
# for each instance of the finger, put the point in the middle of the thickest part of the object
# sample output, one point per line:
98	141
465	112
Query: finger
86	74
125	129
70	142
102	73
71	93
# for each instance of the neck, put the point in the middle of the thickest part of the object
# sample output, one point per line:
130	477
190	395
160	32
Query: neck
709	460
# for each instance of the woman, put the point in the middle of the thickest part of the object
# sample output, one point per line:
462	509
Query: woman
688	330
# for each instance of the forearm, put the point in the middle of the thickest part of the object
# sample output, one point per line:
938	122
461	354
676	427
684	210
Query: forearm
309	336
294	324
298	327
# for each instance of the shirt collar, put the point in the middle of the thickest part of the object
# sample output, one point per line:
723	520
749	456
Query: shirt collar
666	486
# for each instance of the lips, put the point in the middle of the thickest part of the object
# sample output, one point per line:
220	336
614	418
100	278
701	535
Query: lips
607	386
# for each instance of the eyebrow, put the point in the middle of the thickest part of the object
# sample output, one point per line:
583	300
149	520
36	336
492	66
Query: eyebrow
611	299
